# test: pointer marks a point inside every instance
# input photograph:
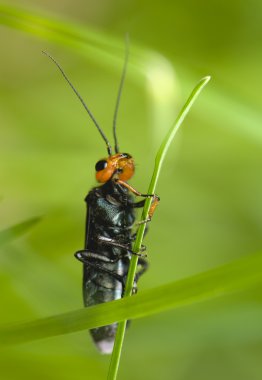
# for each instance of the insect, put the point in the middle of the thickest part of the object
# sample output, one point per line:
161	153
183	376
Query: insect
110	222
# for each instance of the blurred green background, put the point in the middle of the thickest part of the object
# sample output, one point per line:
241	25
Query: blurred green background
210	185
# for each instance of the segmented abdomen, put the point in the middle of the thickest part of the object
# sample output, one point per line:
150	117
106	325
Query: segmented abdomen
99	287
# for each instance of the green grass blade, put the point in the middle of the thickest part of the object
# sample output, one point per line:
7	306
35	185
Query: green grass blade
107	51
11	233
115	359
99	47
150	70
233	277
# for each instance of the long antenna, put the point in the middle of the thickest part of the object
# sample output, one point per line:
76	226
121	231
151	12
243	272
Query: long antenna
109	149
120	92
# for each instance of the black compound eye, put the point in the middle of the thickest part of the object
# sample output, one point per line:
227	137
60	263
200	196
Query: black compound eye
101	165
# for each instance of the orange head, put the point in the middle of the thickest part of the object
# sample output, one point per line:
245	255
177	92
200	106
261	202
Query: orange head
120	166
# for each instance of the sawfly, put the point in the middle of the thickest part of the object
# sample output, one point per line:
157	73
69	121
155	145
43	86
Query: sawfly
110	225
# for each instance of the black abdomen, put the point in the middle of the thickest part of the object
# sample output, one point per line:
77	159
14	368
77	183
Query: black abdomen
99	287
109	216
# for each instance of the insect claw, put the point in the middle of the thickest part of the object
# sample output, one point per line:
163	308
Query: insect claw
143	248
154	196
140	252
134	288
144	255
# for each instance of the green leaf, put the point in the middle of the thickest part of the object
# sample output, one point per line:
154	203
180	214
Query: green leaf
11	233
233	277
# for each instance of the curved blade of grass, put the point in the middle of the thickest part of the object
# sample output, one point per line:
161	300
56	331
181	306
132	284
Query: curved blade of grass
64	33
158	72
147	68
227	279
100	47
11	233
115	359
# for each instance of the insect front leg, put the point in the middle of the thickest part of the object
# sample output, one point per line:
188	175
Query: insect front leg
155	200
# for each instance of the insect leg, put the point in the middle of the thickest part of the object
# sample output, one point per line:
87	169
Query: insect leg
144	266
138	204
152	209
155	199
115	243
84	256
